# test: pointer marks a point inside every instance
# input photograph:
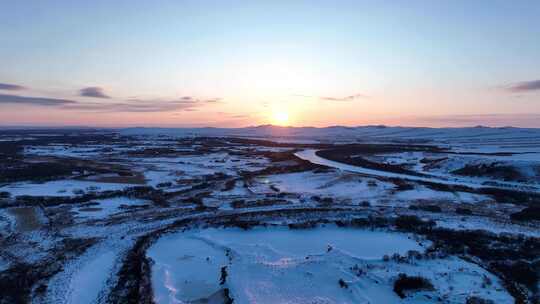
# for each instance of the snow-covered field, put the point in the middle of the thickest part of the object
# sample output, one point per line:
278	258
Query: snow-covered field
60	188
278	265
254	215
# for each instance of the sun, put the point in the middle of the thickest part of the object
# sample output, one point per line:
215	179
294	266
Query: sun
280	118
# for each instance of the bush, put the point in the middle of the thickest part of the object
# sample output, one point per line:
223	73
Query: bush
527	214
521	272
365	204
493	170
164	185
463	211
477	300
327	200
406	283
413	223
429	208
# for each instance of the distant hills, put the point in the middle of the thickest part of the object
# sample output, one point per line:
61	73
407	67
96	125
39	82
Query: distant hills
360	133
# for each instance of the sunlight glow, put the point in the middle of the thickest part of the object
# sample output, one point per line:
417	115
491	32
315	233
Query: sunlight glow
280	118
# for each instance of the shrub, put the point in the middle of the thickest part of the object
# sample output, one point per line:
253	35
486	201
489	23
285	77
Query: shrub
477	300
412	223
521	271
429	208
527	214
463	211
365	204
164	185
406	283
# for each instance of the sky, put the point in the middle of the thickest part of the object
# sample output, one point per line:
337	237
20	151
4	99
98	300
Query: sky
243	63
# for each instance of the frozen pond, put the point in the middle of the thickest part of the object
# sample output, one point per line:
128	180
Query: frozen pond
266	265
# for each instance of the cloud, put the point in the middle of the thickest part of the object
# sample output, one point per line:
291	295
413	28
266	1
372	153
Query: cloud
334	98
10	87
144	105
186	103
346	98
194	99
95	92
524	86
36	101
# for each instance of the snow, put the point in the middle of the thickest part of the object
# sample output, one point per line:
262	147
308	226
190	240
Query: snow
106	207
464	136
182	272
424	193
340	185
87	283
60	187
278	265
310	155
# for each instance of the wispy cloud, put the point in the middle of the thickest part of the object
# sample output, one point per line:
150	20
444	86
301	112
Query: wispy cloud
11	87
36	101
524	86
345	98
336	98
95	92
186	103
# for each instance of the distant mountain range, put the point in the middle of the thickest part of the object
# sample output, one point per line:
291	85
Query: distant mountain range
360	133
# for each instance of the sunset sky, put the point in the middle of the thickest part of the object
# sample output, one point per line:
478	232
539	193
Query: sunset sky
241	63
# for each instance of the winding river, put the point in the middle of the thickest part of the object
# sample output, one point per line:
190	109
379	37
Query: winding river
311	156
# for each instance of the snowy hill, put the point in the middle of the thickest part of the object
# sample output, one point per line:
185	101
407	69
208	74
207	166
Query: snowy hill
477	135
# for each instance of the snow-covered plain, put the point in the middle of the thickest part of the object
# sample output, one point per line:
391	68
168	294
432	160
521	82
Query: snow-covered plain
277	265
206	181
64	188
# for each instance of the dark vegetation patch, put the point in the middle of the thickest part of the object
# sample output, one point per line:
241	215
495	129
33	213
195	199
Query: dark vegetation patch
402	185
283	162
354	155
428	208
134	283
527	214
500	195
343	284
325	200
10	150
229	185
237	204
273	144
18	281
405	283
513	258
493	170
463	211
511	196
413	223
159	152
41	171
478	300
15	166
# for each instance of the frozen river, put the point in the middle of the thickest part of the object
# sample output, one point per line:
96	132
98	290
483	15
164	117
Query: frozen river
311	156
